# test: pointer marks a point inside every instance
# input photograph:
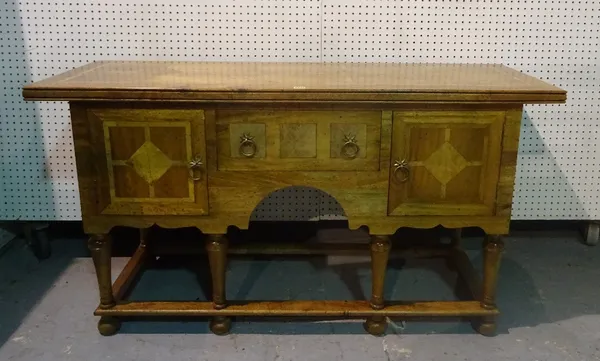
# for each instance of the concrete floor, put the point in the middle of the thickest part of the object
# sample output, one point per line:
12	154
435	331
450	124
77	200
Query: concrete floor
548	293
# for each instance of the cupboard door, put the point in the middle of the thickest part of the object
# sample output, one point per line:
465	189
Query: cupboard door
151	161
445	163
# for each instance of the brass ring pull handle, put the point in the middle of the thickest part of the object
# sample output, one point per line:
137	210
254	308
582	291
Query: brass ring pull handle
195	164
401	171
350	149
247	146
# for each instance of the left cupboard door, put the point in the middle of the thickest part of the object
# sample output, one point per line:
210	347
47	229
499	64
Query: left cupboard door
149	161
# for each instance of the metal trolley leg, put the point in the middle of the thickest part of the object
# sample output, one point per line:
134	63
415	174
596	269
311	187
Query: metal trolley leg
591	233
36	235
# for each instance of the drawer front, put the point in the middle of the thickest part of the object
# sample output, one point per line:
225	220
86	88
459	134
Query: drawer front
298	140
445	163
144	160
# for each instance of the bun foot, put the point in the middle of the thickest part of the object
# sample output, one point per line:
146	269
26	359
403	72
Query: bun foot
485	326
375	325
220	325
108	326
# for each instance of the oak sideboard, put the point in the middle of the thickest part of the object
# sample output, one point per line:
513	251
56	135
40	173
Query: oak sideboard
200	144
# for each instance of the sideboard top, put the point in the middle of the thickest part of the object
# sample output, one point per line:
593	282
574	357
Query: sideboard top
214	81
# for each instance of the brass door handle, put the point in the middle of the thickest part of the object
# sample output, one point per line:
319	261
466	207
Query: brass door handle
248	146
350	148
401	171
193	165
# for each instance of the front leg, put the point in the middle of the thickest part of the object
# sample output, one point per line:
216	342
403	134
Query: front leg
456	237
100	248
380	254
216	247
493	247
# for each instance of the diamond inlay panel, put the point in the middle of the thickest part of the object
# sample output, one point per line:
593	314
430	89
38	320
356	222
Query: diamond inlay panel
445	163
124	141
150	162
148	151
454	160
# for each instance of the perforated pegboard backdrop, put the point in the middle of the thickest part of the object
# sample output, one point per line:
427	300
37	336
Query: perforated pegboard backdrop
556	40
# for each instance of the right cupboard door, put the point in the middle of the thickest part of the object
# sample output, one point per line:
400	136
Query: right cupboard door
445	162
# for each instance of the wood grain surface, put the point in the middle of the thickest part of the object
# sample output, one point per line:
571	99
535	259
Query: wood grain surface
300	308
452	161
232	187
214	81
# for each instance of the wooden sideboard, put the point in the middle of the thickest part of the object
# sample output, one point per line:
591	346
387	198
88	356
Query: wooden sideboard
192	144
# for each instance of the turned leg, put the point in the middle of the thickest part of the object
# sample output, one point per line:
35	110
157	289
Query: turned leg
100	247
145	243
144	232
493	246
216	247
455	243
456	237
380	252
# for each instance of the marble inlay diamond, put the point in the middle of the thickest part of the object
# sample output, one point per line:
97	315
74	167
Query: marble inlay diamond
150	162
445	163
